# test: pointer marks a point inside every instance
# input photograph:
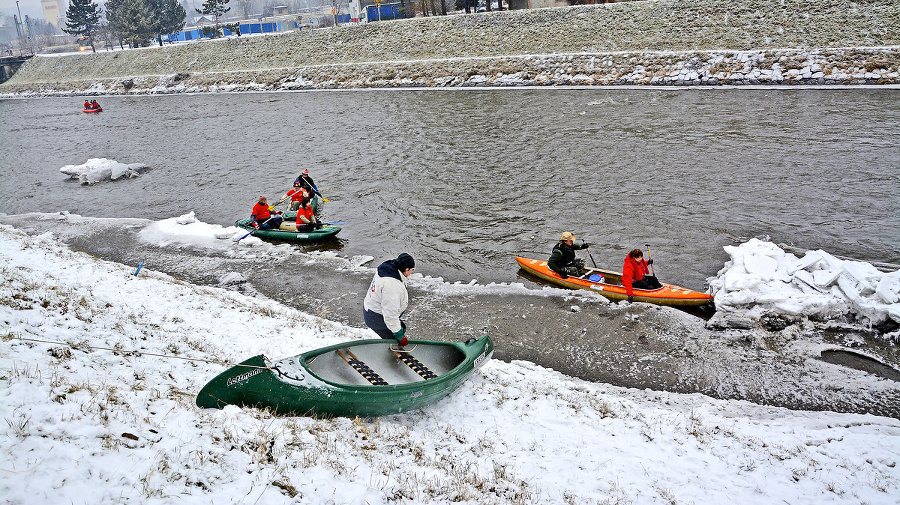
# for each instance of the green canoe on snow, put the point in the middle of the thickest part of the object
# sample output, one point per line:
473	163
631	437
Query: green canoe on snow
365	378
323	233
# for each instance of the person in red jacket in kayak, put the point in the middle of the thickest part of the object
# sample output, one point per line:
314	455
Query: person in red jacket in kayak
306	218
635	274
87	105
262	218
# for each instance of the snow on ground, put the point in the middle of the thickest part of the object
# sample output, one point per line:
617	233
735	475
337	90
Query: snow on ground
98	407
101	169
762	277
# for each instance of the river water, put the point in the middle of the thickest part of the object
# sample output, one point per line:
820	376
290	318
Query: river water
465	180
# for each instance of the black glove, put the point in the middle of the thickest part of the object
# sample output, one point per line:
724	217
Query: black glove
650	262
584	245
630	299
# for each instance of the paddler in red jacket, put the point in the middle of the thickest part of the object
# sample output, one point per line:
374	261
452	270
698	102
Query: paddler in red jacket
306	218
297	195
635	274
261	216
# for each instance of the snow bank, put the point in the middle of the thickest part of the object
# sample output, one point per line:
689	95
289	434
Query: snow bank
107	415
761	278
102	169
189	231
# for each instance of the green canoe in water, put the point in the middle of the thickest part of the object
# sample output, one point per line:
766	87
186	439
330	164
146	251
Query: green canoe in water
323	233
365	378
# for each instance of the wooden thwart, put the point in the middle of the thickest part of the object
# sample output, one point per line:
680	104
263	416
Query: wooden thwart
361	367
415	364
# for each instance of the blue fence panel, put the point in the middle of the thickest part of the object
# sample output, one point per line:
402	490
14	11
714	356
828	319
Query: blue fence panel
387	12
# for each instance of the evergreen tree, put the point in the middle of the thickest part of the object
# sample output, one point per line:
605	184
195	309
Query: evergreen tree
218	9
83	18
132	20
170	17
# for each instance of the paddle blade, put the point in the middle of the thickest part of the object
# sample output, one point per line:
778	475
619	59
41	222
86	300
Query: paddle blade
245	236
325	199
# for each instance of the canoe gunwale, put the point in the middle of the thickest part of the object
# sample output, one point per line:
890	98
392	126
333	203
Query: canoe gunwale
305	361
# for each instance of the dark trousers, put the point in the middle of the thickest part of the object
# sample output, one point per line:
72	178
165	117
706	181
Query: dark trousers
375	321
648	282
272	223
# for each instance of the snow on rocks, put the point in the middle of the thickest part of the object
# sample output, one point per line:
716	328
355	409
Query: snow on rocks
762	278
102	169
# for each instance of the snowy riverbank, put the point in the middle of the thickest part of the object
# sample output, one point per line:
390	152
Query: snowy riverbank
652	42
107	415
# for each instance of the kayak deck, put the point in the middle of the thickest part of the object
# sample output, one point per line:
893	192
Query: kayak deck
611	285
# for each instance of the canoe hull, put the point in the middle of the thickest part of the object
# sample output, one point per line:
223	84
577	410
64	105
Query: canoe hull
290	387
89	111
669	294
325	233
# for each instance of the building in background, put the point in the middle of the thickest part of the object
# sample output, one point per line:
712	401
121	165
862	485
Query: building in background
54	11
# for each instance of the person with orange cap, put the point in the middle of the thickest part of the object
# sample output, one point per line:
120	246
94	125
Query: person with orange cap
562	259
307	183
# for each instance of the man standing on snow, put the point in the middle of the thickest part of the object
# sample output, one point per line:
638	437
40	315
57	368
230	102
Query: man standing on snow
387	298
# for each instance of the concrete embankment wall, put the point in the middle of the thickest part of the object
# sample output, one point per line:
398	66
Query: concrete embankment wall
670	42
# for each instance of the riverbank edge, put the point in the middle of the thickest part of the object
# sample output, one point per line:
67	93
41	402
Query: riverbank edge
646	43
844	66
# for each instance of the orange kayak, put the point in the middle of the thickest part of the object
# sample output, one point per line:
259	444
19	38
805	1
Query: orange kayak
609	284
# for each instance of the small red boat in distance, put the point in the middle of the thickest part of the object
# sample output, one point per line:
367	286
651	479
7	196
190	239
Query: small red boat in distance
98	109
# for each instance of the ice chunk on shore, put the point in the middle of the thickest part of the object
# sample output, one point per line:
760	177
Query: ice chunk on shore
189	231
102	169
762	277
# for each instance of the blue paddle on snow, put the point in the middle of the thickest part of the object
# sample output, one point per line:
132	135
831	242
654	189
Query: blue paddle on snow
253	231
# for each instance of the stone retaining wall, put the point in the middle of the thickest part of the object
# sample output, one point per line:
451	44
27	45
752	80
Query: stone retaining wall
653	42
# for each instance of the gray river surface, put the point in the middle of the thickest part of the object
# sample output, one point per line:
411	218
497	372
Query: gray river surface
465	180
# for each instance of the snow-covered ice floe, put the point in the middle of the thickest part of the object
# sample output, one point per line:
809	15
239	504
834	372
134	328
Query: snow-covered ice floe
188	230
102	169
762	278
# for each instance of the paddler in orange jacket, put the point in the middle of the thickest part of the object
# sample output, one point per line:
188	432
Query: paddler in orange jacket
306	218
635	274
261	216
297	195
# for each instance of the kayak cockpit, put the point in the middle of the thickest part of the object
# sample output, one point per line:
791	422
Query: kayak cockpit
374	364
